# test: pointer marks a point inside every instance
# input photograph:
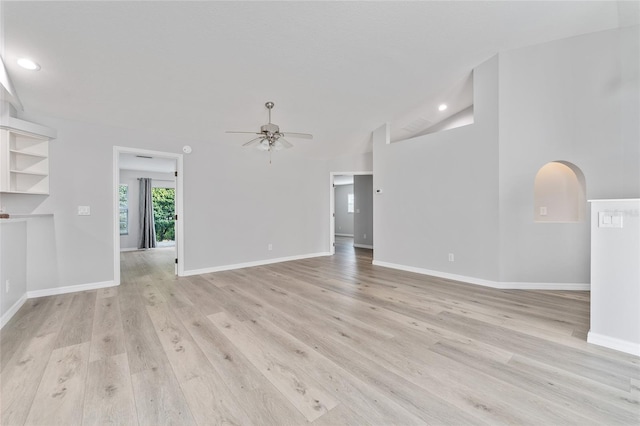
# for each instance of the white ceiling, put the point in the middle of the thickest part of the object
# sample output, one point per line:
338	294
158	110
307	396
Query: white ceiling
334	69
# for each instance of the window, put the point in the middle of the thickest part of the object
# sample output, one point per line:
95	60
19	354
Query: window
123	192
350	203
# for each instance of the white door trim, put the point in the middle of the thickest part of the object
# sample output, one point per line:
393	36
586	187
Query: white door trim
117	150
332	205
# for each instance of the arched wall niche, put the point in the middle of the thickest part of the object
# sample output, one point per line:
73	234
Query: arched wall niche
559	193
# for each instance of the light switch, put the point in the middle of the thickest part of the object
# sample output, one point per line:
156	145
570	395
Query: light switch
604	220
609	219
84	210
543	211
616	221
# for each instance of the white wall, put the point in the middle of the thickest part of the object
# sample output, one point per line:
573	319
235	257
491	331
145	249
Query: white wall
80	175
130	178
235	202
574	100
352	163
615	274
42	254
344	219
29	260
13	265
450	192
363	216
459	119
440	192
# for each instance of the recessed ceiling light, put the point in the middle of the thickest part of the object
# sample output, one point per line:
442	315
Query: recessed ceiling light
442	107
28	64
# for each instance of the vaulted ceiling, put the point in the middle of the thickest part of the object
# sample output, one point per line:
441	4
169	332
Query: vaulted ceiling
334	69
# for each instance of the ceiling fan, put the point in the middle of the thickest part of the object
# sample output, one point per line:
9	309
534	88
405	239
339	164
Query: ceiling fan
270	137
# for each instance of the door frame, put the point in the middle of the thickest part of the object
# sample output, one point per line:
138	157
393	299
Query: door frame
332	205
117	150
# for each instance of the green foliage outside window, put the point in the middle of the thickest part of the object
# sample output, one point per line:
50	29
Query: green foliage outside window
123	192
164	213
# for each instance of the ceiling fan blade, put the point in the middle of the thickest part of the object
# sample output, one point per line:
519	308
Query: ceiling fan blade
252	133
285	143
298	135
251	142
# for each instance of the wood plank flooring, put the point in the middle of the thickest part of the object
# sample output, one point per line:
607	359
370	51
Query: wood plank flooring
323	341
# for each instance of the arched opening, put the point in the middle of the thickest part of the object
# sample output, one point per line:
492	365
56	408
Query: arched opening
559	193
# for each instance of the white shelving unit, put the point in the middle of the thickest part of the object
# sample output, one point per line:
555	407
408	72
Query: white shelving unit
24	161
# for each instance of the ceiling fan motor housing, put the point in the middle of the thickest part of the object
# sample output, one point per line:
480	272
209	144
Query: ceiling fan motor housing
270	128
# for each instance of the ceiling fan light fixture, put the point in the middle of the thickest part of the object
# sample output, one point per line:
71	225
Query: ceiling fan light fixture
269	136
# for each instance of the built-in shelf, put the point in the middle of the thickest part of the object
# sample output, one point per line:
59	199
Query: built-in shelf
24	168
22	172
30	192
31	154
29	215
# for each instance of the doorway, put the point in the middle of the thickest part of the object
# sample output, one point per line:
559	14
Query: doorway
351	210
164	171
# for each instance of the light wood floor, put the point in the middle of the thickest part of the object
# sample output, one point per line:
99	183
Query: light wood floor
328	341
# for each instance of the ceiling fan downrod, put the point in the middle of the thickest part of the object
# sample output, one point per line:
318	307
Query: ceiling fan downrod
269	106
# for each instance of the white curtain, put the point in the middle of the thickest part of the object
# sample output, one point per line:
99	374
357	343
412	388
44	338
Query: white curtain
147	225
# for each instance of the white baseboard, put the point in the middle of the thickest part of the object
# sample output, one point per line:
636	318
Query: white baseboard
51	292
544	286
69	289
251	264
12	310
129	249
343	235
503	285
366	246
613	343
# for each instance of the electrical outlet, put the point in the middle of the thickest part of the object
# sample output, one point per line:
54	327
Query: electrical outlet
450	257
270	247
365	236
7	285
84	210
